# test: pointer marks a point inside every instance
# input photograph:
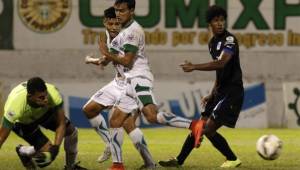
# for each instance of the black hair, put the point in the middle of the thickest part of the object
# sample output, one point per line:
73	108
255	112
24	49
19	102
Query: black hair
110	13
36	84
130	3
215	11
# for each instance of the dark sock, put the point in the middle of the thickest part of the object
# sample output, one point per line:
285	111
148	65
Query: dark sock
221	144
186	149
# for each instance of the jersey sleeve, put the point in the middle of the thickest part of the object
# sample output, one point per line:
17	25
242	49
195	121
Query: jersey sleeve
230	45
131	42
12	112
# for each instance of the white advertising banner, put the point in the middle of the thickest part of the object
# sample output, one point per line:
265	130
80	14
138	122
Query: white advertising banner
291	92
181	98
169	24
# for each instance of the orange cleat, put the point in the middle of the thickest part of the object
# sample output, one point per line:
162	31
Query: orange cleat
117	166
197	127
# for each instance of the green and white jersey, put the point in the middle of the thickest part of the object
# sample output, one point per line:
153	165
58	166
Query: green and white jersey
132	39
118	67
17	109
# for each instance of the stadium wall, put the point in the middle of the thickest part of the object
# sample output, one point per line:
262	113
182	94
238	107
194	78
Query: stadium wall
67	66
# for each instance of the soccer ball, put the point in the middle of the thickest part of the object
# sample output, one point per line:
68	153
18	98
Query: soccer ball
269	147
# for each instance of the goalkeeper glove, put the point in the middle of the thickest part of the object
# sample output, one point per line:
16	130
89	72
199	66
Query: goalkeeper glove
42	159
54	149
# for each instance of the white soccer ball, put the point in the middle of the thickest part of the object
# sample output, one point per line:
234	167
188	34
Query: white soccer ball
269	147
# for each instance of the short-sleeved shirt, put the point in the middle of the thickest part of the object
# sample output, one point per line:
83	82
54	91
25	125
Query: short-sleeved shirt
132	39
231	75
17	109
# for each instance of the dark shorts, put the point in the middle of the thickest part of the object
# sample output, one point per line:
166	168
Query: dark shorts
32	133
225	108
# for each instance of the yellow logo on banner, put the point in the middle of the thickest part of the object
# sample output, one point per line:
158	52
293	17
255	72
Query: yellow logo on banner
44	16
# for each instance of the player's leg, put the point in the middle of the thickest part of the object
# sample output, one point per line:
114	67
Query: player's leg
142	88
218	141
102	99
189	142
137	138
92	111
116	121
225	113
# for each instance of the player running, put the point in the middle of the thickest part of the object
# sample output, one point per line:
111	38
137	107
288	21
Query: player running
223	105
110	95
32	104
131	43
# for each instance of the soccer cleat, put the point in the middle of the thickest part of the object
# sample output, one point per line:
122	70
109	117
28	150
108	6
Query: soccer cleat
147	167
75	167
117	166
197	127
231	164
173	162
26	160
105	156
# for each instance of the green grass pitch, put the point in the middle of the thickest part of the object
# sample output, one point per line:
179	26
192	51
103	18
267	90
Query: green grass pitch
166	142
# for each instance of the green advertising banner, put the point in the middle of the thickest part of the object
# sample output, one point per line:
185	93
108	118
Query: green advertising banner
6	24
259	25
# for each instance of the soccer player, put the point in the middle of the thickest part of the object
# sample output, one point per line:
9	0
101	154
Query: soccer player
110	95
223	105
131	42
32	104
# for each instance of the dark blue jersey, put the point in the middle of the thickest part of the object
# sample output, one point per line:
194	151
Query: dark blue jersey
231	75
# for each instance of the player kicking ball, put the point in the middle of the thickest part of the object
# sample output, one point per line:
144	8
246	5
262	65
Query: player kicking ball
33	104
223	105
114	93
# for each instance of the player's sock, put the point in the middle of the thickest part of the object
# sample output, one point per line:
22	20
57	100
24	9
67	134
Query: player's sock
70	146
27	150
99	124
221	144
116	144
186	149
137	138
171	119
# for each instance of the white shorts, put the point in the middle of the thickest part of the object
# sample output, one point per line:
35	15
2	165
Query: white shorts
142	89
114	94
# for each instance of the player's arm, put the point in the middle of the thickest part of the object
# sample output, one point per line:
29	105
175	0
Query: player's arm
126	60
210	66
5	129
61	128
209	97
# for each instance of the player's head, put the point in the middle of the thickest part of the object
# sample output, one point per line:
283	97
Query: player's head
124	10
111	23
37	94
216	17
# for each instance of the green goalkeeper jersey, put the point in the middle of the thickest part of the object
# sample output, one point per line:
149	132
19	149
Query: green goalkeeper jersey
17	109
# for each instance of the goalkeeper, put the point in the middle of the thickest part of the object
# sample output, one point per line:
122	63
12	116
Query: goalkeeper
33	104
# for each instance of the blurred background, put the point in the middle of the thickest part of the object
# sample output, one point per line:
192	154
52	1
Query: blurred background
50	39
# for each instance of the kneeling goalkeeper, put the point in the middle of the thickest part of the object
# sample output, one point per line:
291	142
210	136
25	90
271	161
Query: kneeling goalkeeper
33	104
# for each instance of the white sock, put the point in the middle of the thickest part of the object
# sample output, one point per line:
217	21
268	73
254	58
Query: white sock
117	135
27	150
99	124
140	144
170	119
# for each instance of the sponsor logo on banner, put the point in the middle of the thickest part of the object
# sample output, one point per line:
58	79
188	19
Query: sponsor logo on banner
44	16
168	24
292	104
183	99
